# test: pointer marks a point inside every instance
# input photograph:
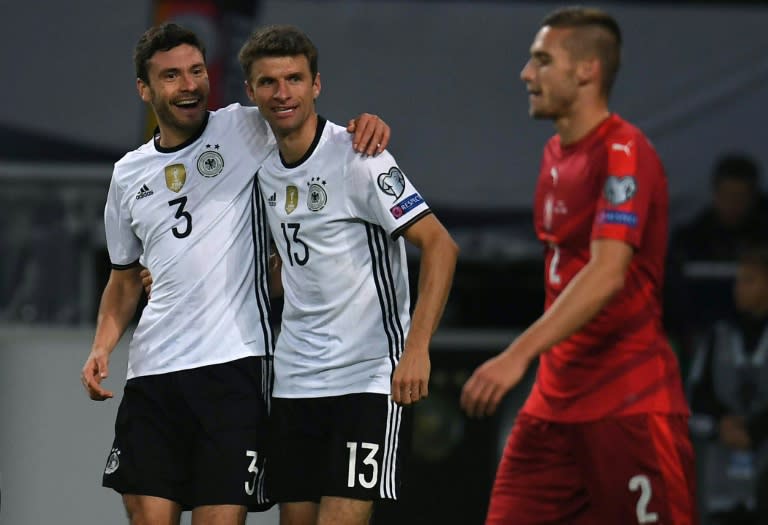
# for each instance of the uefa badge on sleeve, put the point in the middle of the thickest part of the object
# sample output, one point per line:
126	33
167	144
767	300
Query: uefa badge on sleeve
619	190
392	182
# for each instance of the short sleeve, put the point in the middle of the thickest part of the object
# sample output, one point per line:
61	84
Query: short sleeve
628	183
122	244
380	193
253	128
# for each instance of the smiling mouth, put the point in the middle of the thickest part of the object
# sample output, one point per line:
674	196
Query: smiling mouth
283	110
188	103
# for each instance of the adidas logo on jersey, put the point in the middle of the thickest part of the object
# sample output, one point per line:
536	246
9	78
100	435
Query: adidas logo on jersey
272	200
144	192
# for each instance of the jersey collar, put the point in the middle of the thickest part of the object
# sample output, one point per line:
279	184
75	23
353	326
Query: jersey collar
190	140
318	133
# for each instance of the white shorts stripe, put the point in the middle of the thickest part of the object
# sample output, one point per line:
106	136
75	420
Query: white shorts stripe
388	485
396	448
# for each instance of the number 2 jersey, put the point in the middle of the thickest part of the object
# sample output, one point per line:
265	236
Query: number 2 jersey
336	218
189	214
609	185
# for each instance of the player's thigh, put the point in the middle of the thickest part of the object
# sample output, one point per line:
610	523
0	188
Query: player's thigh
298	513
150	452
639	469
219	515
367	449
538	479
151	510
230	433
344	511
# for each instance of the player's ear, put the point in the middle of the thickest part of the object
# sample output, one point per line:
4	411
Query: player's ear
143	89
249	91
316	86
588	71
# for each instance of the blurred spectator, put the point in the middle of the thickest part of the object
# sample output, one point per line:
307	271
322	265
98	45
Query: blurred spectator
728	389
736	217
703	253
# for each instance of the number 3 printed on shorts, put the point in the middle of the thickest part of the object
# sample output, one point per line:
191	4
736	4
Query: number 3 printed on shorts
643	484
369	460
250	488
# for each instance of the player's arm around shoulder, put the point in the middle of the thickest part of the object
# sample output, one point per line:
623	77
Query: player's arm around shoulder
438	262
370	134
116	310
367	134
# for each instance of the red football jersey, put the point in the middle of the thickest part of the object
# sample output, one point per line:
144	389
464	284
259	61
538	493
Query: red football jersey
609	185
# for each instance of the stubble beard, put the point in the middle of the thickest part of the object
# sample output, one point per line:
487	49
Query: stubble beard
165	116
555	108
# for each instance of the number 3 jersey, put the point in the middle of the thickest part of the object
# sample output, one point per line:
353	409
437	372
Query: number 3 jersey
188	214
336	218
608	185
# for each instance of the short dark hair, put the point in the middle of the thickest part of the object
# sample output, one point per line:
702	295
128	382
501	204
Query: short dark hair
277	41
599	34
736	166
163	37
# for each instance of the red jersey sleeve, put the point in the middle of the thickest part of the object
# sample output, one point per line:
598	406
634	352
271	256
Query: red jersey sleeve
627	188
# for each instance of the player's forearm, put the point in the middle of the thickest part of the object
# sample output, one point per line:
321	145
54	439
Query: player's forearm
116	310
275	275
584	297
438	262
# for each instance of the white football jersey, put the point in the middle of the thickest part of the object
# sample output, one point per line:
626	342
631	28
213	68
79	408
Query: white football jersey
336	218
192	215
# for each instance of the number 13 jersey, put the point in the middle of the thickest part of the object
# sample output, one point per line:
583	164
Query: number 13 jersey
336	218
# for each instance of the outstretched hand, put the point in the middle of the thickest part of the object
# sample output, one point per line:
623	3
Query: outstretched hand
487	386
371	134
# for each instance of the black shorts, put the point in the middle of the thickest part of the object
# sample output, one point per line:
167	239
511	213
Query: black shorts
195	436
351	446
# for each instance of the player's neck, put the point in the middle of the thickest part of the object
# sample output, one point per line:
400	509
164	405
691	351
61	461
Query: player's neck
580	121
294	145
169	136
